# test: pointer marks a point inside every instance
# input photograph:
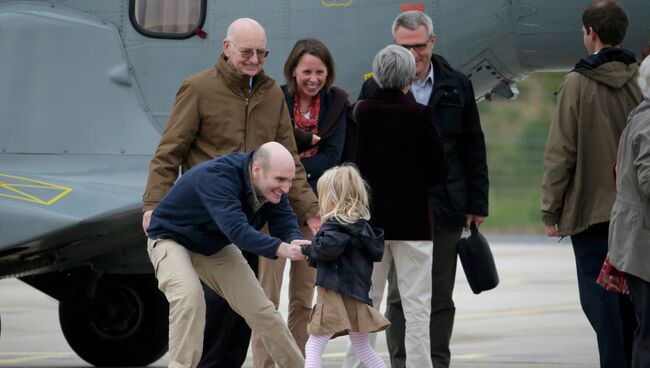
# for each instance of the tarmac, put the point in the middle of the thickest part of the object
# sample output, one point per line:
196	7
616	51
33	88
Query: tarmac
532	319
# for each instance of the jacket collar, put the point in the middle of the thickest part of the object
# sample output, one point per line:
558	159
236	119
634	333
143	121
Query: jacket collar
605	55
235	80
444	80
391	94
444	74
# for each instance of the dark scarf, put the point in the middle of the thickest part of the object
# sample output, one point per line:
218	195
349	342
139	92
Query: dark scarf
605	55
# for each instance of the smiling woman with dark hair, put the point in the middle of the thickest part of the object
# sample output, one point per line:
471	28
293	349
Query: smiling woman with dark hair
317	108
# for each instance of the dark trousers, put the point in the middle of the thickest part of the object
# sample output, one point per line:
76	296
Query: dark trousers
226	335
640	295
443	310
608	313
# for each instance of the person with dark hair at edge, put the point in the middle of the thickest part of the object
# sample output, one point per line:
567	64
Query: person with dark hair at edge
593	102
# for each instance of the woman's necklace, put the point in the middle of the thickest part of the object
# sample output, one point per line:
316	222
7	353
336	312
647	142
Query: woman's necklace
304	111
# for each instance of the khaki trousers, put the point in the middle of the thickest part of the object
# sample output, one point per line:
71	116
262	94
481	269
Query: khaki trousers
412	261
301	293
443	309
226	272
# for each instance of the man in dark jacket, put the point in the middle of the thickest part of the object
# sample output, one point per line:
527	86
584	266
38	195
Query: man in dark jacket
196	231
578	191
461	199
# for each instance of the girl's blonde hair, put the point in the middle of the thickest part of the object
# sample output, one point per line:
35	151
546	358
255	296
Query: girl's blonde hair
343	194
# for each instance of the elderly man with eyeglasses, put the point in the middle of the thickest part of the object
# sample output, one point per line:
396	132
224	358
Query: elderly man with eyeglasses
232	107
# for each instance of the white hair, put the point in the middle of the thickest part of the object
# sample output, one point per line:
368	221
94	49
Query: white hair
230	33
393	67
412	20
644	77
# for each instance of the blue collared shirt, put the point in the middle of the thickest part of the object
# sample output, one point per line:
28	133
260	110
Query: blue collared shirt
422	89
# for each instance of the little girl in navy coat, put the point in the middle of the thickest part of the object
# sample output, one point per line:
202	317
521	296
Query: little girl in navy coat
343	252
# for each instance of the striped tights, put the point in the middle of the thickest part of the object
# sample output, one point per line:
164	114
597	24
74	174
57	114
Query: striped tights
316	344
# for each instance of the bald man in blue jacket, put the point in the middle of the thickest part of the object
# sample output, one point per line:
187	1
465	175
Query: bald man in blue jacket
196	231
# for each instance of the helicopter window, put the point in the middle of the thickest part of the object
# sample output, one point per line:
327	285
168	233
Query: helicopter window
167	18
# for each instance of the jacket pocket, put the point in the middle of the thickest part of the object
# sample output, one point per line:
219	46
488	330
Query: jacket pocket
450	117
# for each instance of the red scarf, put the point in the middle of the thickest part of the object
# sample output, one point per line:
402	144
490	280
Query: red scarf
309	124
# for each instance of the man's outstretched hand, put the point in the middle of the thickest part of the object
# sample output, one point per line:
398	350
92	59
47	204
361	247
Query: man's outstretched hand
292	251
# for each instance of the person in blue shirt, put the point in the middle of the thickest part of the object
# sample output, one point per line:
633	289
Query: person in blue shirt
195	234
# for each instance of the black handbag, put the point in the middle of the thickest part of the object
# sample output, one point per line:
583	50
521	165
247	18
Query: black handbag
477	260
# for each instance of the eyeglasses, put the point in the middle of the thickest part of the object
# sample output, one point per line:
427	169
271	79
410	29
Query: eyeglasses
248	53
416	46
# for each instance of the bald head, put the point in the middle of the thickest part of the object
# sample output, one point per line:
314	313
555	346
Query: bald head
272	169
272	153
244	26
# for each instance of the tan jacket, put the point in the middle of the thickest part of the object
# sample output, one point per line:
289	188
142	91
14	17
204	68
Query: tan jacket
629	229
591	112
211	117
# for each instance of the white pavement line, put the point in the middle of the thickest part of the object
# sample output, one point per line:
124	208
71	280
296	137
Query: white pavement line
520	312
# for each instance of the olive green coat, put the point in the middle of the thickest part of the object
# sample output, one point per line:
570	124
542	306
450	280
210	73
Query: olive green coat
591	112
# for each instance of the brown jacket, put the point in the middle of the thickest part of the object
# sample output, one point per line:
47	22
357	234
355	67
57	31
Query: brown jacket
592	107
211	117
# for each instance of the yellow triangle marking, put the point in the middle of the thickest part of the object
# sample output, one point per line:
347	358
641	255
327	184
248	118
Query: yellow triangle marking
22	198
37	184
28	186
31	197
65	192
49	185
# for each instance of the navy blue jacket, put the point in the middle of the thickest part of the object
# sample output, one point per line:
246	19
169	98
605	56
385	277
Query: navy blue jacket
343	255
331	128
209	207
